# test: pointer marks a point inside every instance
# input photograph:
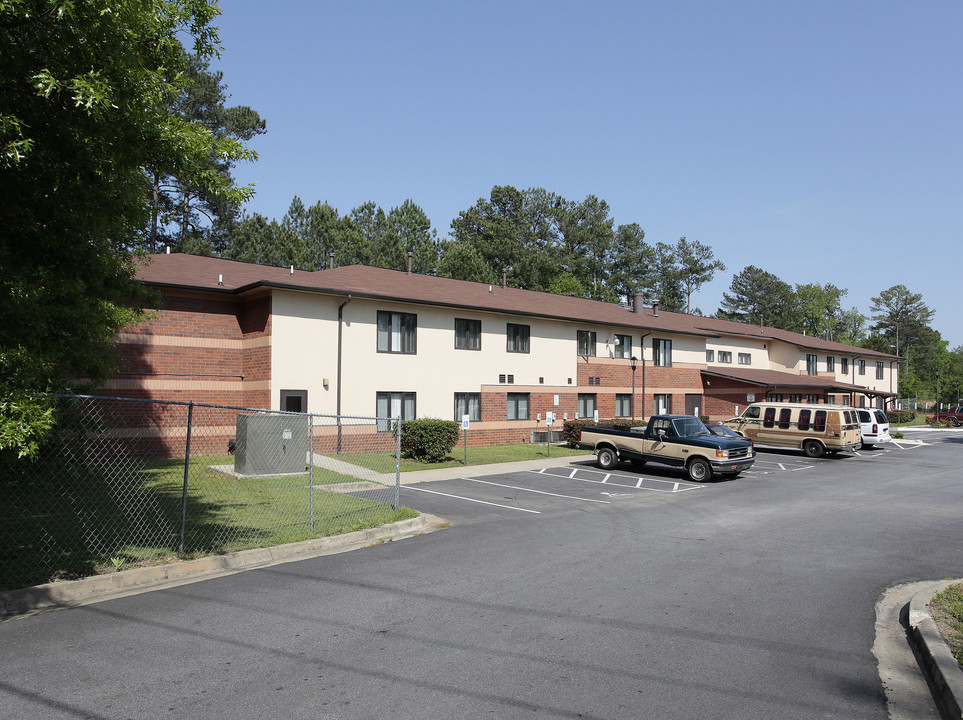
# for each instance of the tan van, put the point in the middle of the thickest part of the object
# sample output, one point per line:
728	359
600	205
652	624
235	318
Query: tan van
816	429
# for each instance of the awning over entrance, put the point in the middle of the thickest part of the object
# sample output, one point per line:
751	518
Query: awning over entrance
774	381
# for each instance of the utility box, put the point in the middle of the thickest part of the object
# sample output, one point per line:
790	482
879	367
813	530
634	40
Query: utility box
271	444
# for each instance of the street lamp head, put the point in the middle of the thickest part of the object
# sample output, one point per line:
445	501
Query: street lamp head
635	362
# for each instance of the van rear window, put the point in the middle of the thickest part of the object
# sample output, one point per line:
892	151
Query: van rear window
819	424
804	416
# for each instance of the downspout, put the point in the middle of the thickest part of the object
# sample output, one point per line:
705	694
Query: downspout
642	353
340	345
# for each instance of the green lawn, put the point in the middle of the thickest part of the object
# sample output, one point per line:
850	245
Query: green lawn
68	520
456	458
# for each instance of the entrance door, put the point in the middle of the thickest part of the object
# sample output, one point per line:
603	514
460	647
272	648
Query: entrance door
693	404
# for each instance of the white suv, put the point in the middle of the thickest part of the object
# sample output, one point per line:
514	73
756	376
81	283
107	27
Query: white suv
875	427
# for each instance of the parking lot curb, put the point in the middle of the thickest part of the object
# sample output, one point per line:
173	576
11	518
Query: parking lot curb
73	593
938	661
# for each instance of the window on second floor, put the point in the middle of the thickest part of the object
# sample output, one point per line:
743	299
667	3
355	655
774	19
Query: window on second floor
624	347
831	364
879	370
586	343
844	366
812	364
745	358
862	367
397	332
661	352
518	338
467	334
725	356
710	356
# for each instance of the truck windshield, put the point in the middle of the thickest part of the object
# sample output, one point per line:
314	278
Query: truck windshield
688	427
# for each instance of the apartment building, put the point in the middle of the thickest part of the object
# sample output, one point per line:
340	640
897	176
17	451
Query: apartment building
366	341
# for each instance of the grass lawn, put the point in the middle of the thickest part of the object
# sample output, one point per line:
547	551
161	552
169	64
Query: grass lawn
73	520
456	458
947	609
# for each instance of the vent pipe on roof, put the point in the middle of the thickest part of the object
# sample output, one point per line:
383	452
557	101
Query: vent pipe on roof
655	309
220	279
330	261
168	249
638	303
410	255
292	269
504	278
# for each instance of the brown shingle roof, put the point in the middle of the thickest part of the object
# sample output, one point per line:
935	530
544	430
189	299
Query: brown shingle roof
204	273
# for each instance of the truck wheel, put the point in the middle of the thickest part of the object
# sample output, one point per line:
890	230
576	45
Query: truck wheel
813	449
955	422
699	470
607	458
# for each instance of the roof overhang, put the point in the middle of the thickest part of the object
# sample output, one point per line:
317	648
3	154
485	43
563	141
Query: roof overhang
776	380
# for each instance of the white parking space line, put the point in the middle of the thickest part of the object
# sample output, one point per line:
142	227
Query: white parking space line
677	487
461	497
539	492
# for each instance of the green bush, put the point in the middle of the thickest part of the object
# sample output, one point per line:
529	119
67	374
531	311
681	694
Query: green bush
900	417
428	440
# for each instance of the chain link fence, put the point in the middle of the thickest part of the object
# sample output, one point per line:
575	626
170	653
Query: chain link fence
125	483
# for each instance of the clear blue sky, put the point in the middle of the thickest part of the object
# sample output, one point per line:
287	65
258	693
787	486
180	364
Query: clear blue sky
821	141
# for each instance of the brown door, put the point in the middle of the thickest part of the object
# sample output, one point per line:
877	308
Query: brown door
693	404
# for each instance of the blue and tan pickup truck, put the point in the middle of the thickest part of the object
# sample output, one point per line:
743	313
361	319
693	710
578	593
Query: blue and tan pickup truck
680	440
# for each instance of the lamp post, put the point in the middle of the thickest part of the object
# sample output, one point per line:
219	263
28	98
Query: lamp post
635	363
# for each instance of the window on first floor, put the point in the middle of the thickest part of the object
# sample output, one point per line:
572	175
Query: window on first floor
661	352
518	338
517	406
774	397
725	356
879	370
397	332
467	404
623	405
586	405
467	334
394	405
812	399
795	397
623	348
663	404
586	343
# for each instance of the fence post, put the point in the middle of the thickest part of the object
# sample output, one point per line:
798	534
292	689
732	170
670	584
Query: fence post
311	465
398	468
187	465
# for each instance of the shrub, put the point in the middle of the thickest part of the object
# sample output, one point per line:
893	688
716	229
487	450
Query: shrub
900	417
428	440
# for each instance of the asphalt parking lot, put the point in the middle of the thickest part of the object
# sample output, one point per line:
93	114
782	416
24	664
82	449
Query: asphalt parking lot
557	591
554	489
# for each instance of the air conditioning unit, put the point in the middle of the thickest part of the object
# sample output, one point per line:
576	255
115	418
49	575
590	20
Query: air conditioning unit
271	444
